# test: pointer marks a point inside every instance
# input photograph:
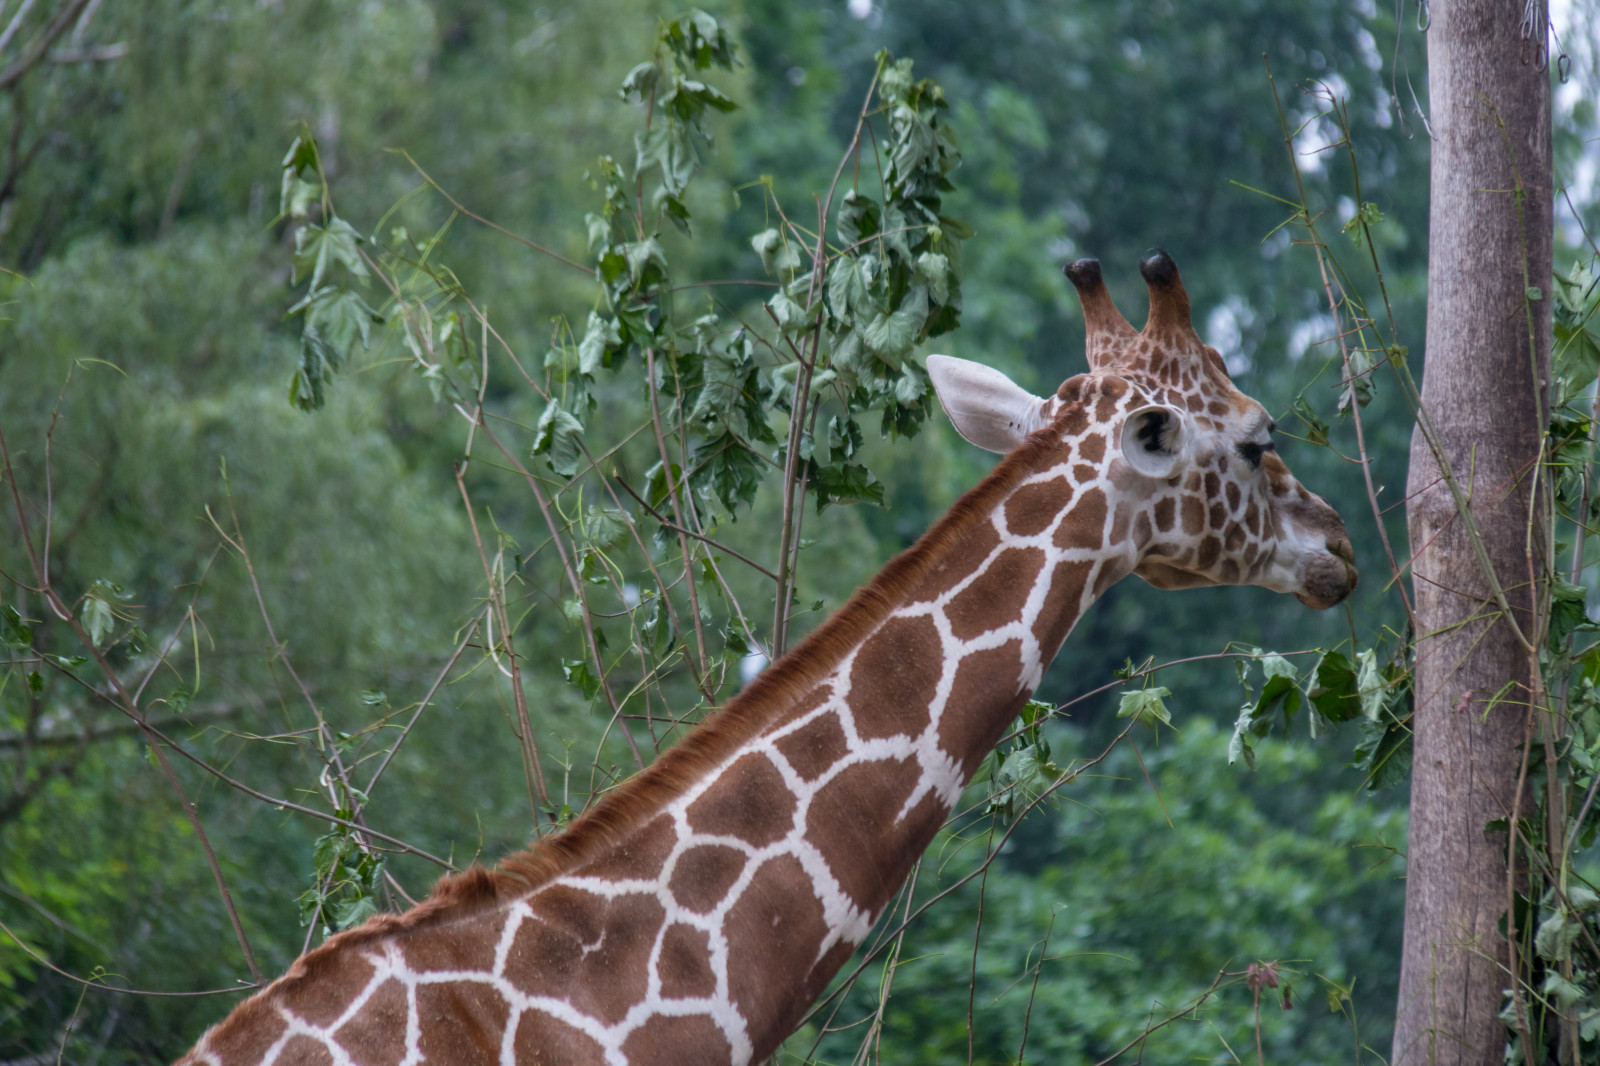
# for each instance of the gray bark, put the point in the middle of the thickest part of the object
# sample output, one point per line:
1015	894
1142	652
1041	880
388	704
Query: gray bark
1484	390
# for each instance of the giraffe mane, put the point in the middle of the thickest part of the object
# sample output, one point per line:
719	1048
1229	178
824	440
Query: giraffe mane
745	716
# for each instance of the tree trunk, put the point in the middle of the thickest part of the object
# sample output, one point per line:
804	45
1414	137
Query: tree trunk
1484	390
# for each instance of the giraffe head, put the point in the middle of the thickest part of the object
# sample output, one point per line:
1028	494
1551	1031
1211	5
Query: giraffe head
1196	493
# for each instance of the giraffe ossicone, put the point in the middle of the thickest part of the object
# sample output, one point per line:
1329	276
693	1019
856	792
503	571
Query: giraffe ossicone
695	912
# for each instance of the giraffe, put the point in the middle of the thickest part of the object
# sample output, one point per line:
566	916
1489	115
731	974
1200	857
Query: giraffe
694	913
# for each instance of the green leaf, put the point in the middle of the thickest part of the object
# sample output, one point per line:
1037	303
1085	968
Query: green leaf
13	632
577	672
95	615
347	914
934	270
1145	705
777	254
295	193
1383	754
729	469
557	438
844	483
640	83
340	317
605	527
847	289
658	486
790	316
1556	934
1335	693
891	336
316	248
1568	614
1564	992
859	217
600	339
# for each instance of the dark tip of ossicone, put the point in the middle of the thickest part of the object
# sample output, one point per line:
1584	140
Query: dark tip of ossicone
1157	268
1084	273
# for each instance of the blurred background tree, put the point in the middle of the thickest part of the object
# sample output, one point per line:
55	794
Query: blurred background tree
144	358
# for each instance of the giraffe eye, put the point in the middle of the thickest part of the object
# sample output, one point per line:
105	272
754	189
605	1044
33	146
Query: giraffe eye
1251	452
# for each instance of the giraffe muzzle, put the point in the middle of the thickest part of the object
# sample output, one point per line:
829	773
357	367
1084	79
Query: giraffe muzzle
1330	576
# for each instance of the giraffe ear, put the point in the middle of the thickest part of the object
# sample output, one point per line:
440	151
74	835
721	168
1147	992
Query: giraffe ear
1153	439
986	407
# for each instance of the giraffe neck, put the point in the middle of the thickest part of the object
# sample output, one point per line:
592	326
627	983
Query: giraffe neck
759	879
696	913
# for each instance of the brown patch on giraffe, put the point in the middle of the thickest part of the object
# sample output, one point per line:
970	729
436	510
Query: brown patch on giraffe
1194	403
811	701
996	595
465	946
1105	409
1108	576
309	998
891	671
1060	607
1165	511
305	1051
1085	526
1230	572
1032	508
1252	518
640	856
1233	496
1074	420
1222	462
1210	549
821	973
1213	485
1141	529
1092	447
1194	515
774	934
1235	538
247	1033
975	547
1119	523
462	1022
377	1036
750	801
598	946
685	965
1219	408
543	1039
1218	514
677	1038
1251	553
983	700
1083	473
704	874
815	746
857	852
